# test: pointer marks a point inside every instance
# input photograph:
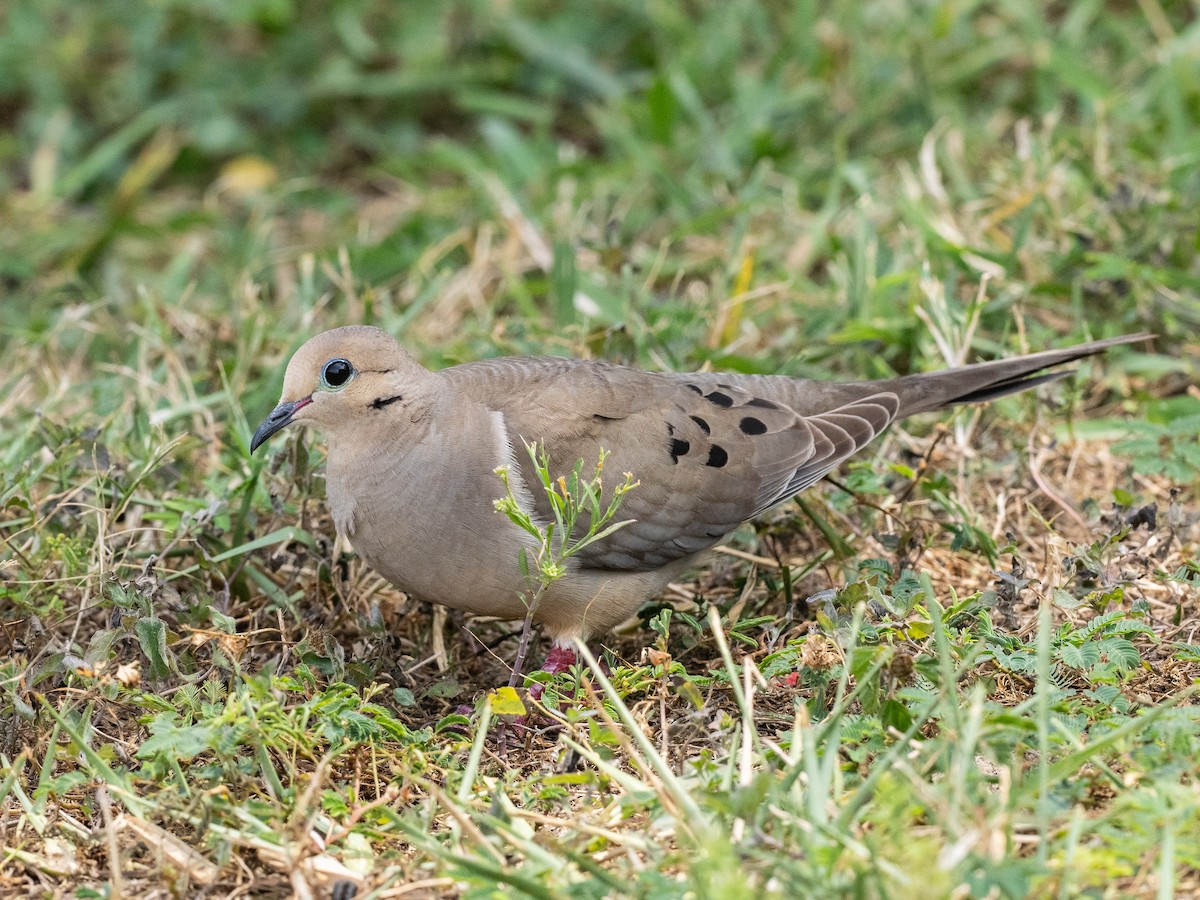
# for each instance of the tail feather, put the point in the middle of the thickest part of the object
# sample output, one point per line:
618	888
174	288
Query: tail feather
986	381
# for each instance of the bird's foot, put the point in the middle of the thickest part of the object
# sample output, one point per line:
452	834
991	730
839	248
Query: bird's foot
559	659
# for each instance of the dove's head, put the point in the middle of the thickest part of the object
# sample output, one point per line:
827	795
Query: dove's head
341	378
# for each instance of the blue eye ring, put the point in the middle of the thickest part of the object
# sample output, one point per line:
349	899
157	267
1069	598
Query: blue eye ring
336	374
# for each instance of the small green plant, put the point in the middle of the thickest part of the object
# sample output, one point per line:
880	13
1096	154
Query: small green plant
1093	571
1171	449
580	516
1100	651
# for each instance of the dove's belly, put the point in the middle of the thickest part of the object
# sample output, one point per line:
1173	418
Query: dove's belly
471	560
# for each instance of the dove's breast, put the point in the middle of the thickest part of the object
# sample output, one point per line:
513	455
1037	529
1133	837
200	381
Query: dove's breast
424	517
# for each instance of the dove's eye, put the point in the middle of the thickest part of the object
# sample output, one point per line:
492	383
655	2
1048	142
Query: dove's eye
336	373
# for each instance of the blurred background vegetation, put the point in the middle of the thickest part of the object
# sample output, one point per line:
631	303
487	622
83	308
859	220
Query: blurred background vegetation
824	152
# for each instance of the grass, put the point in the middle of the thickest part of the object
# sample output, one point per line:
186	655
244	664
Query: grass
962	667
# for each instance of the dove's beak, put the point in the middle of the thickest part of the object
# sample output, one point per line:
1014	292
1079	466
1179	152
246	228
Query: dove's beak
281	416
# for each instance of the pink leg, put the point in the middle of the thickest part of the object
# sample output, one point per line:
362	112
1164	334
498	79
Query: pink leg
559	659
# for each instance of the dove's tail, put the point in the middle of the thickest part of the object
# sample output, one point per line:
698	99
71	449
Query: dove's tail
985	381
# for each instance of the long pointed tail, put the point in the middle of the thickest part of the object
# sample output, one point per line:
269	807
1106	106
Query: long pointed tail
981	382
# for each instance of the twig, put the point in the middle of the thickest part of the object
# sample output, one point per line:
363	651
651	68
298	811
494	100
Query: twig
114	849
1035	471
939	434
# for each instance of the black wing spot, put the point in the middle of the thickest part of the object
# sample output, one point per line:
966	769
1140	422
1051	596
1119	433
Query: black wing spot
381	402
679	448
701	423
762	404
751	425
722	400
696	388
717	457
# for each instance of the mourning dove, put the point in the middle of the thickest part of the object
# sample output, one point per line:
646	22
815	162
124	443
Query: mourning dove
411	476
